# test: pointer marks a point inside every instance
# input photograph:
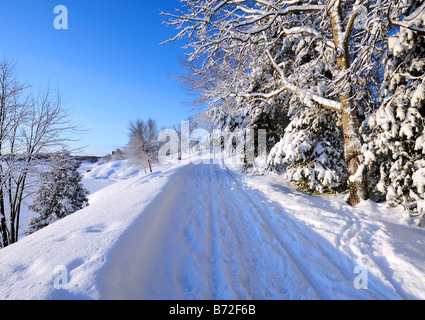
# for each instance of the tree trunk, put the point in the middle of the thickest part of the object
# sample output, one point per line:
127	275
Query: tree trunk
3	222
356	170
4	234
354	161
17	208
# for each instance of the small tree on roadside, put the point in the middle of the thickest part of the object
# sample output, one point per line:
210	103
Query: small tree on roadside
312	150
143	145
61	193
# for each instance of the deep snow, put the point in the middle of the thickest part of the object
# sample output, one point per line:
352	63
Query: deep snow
205	231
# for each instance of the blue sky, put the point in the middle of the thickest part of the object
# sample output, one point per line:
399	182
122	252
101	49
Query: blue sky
108	65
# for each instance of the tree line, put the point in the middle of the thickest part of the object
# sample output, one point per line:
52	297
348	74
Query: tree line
339	86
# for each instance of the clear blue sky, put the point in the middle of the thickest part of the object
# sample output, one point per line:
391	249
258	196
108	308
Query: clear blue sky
108	65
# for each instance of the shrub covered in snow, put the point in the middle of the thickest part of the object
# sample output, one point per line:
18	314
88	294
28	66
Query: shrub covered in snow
312	149
61	193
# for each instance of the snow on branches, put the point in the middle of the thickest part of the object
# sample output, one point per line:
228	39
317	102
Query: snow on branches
291	55
395	149
312	150
60	194
322	52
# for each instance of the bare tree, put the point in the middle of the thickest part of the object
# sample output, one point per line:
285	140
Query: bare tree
31	123
143	145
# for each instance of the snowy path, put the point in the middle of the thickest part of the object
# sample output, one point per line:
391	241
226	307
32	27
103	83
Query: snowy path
191	231
206	236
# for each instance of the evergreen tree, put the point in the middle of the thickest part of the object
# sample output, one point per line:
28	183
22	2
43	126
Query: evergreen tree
60	194
395	148
312	149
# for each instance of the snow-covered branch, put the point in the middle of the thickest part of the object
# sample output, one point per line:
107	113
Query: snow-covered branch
320	53
30	124
305	95
409	22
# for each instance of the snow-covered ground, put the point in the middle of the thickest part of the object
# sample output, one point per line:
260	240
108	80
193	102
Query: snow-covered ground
207	231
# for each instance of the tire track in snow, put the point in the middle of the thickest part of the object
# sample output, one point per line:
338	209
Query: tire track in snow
333	271
326	271
207	237
266	269
219	273
299	268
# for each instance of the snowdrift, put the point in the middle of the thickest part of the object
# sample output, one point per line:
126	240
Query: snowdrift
62	261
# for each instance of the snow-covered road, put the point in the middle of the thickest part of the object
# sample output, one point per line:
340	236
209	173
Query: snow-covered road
207	231
206	236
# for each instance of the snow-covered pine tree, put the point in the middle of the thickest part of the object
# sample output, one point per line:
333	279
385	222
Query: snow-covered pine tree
61	193
312	149
396	147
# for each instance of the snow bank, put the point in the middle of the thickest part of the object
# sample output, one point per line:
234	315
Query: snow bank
101	175
115	170
71	251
